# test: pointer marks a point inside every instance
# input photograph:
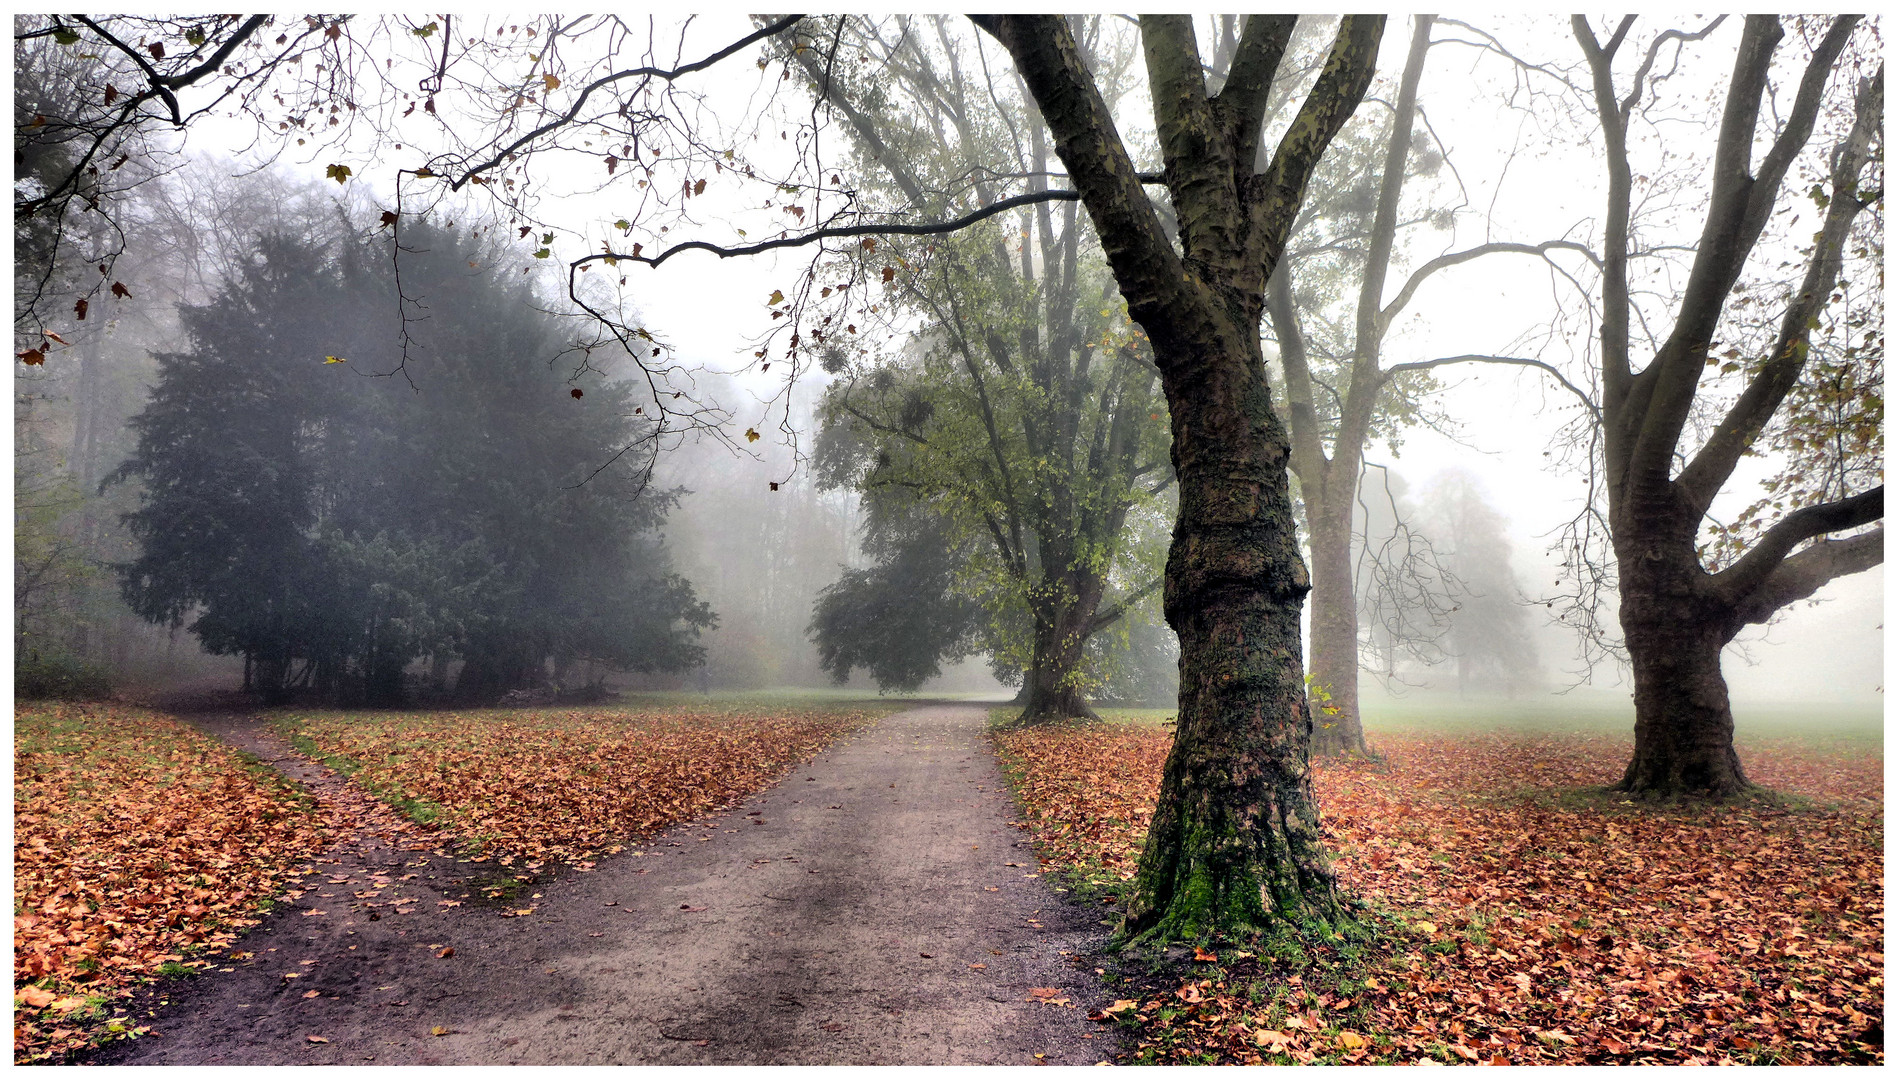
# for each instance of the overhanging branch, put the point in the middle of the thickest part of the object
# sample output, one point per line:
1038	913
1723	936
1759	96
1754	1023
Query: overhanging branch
1588	403
668	74
1444	262
841	232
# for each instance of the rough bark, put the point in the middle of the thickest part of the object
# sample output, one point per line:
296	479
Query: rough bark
1683	729
1675	627
1234	844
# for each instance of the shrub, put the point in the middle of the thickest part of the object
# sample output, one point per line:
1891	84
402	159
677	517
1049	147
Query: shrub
38	677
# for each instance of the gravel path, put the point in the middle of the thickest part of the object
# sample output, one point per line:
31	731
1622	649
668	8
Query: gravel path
875	907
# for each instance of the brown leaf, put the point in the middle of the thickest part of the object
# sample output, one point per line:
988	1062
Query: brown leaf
445	953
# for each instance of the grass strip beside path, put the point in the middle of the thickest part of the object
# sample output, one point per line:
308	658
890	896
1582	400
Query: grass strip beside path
568	785
1525	918
138	844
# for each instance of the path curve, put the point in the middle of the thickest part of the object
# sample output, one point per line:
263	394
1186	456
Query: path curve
875	907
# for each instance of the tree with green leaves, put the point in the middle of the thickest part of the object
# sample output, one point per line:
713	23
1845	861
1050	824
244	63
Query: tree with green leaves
902	617
1487	635
1024	414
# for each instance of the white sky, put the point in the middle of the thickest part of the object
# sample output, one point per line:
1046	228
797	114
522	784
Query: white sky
713	309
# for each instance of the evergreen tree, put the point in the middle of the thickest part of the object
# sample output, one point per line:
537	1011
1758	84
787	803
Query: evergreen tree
332	527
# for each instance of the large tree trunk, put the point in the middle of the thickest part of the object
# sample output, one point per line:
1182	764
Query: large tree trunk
1674	626
1337	727
1683	723
1675	615
1234	843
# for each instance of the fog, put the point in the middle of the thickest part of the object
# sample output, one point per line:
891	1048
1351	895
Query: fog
752	526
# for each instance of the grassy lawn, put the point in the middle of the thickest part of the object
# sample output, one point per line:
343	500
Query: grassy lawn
139	845
1521	915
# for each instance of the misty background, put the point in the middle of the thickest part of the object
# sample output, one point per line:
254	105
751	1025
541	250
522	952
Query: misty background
1476	483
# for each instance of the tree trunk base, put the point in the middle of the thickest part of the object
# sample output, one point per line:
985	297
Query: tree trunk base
1059	705
1337	739
1714	778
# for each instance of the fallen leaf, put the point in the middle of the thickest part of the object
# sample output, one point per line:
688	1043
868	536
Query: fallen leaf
445	953
317	1039
439	1030
312	993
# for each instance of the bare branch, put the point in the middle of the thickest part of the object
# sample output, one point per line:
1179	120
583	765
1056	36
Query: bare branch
1455	258
836	233
1594	411
667	74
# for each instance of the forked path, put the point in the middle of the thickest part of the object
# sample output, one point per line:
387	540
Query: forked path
875	907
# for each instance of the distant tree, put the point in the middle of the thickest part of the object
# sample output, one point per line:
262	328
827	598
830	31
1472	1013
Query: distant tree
901	618
1026	417
1489	636
1331	306
1406	591
300	513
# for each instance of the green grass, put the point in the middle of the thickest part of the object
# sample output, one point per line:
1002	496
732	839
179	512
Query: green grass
1602	713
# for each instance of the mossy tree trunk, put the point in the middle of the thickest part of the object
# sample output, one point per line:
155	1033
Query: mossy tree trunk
1234	844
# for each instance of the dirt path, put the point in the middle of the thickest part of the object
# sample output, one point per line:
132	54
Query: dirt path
876	907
